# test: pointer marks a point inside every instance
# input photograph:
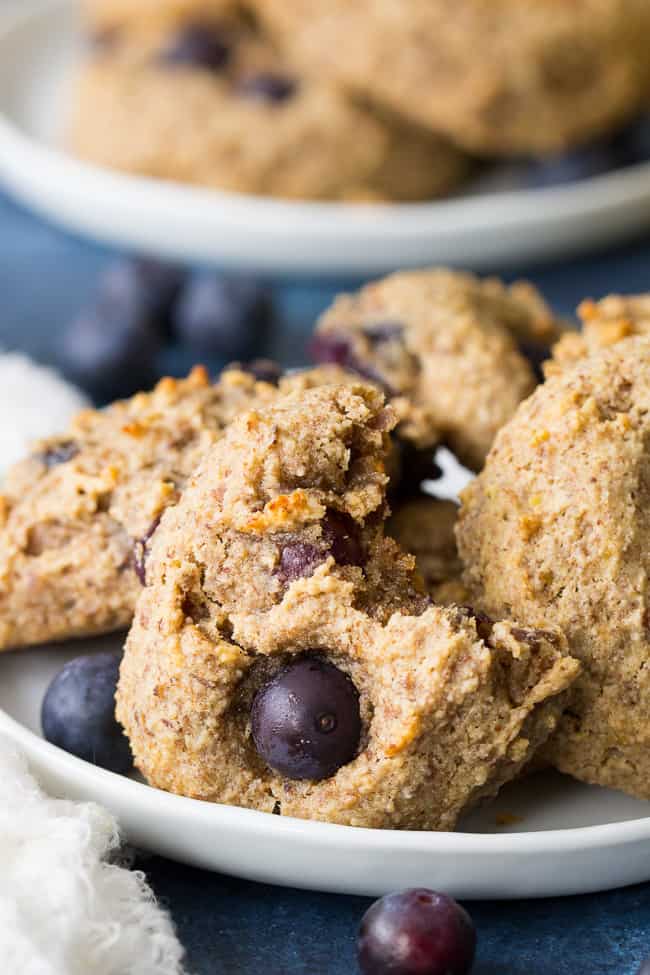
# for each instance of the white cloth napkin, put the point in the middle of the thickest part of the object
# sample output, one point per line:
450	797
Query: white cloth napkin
66	908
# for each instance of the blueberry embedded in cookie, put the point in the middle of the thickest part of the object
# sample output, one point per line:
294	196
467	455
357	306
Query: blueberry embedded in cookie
385	711
445	346
555	528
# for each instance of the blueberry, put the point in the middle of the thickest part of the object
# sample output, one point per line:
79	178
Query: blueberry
222	316
197	46
141	551
267	87
110	350
306	721
341	536
416	932
331	349
59	454
384	332
145	284
298	560
645	967
78	712
337	350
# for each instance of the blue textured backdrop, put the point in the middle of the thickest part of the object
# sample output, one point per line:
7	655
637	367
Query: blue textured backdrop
231	927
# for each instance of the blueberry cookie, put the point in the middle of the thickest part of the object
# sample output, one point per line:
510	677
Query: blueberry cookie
283	659
76	517
446	347
496	76
424	526
214	105
556	531
604	323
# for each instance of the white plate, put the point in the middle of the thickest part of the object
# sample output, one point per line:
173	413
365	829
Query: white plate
568	838
38	51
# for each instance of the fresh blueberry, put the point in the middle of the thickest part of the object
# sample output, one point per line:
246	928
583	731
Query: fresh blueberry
267	87
416	932
145	284
110	350
59	454
222	316
197	46
341	536
645	967
306	721
78	712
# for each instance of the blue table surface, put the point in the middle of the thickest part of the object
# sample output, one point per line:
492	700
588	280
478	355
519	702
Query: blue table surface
232	927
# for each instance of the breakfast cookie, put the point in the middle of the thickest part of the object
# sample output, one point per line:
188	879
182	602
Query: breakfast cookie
214	105
604	323
283	659
445	347
556	532
424	526
497	76
72	513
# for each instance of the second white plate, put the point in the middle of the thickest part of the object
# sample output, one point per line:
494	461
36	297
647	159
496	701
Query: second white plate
39	49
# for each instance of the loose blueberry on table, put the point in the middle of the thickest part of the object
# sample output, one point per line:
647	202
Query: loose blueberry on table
416	932
222	316
145	283
110	350
645	967
306	721
78	712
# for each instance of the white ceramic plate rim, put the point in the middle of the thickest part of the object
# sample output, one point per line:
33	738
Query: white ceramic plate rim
43	176
573	840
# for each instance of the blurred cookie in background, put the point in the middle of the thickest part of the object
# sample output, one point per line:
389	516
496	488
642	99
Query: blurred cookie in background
210	102
499	78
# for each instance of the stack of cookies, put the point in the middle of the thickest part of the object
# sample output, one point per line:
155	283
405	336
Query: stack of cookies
352	99
306	637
